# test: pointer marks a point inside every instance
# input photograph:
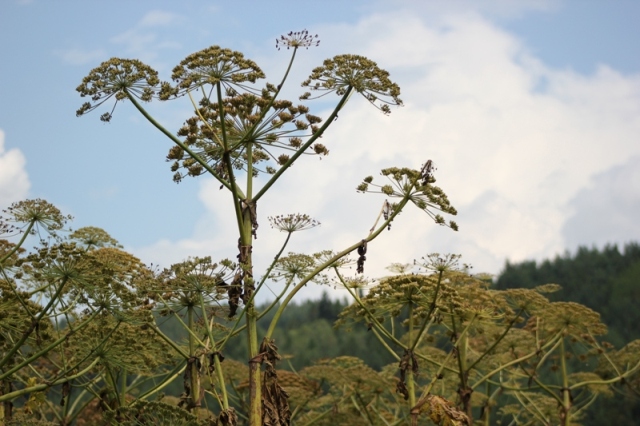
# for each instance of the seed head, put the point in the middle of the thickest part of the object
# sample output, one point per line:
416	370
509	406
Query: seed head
211	66
297	39
355	72
117	77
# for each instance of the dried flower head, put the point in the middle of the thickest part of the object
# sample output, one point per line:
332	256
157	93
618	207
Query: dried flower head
297	39
213	65
117	77
346	72
293	222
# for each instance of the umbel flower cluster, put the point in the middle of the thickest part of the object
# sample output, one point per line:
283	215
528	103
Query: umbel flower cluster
346	72
418	188
117	78
283	128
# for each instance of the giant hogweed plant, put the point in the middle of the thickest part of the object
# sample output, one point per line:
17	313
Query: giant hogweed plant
240	130
85	316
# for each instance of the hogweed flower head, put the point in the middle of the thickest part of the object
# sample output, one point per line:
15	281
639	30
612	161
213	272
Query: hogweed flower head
91	237
282	127
213	65
297	39
293	266
409	182
117	77
436	262
39	212
355	72
293	222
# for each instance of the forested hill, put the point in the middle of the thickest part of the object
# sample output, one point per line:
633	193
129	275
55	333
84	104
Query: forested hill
607	281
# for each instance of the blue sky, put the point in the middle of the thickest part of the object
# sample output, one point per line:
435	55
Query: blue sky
530	110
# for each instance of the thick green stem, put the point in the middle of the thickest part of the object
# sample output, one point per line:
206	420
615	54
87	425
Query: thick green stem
236	328
113	384
486	411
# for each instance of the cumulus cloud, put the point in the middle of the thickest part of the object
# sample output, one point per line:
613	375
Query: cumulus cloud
513	140
14	181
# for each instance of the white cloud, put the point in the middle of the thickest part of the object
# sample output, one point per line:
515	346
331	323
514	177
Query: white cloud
14	181
513	140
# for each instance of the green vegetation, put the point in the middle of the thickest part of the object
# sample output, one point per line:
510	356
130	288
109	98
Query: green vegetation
90	335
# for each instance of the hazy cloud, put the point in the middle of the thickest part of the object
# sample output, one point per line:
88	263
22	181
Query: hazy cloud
14	181
157	18
143	40
81	57
607	210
